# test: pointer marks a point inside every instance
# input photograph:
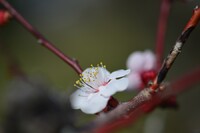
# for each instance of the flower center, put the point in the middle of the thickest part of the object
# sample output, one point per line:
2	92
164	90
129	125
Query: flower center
92	78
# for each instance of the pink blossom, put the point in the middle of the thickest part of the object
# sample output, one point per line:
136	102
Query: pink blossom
140	63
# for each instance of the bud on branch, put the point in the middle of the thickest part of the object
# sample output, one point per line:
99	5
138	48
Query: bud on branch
4	17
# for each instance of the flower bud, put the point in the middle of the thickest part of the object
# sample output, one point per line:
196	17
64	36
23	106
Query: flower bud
4	17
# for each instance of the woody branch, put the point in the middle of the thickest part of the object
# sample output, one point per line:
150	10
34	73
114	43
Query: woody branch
168	62
148	96
178	86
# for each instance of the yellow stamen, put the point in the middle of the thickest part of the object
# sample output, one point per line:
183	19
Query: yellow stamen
101	63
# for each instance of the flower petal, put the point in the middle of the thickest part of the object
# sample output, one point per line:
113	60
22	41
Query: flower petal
136	61
119	73
150	60
95	104
103	75
134	81
115	86
78	99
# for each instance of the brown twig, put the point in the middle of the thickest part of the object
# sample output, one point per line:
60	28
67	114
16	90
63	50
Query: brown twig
161	30
168	62
148	97
41	39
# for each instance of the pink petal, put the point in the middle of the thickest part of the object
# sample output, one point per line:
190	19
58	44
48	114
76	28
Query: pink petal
134	81
136	61
150	60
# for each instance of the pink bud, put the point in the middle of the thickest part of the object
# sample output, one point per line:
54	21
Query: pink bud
4	17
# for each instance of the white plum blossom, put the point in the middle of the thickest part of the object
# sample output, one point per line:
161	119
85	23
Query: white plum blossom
96	85
139	62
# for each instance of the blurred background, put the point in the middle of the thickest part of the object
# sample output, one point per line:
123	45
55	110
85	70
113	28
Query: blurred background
109	31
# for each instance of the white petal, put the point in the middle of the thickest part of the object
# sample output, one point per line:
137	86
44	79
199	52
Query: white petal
104	71
103	74
95	104
150	60
78	99
119	73
136	61
115	86
134	81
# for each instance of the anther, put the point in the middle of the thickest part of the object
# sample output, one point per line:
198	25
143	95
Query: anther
101	63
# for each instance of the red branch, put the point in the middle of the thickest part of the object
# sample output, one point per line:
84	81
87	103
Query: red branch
186	80
41	39
194	19
178	86
148	98
161	30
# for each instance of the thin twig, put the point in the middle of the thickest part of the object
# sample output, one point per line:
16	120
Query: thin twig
148	97
41	39
192	23
161	30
